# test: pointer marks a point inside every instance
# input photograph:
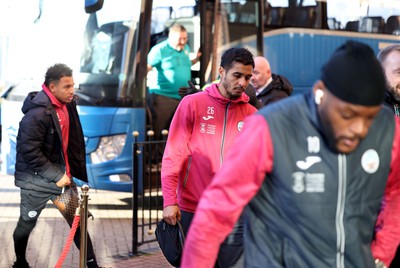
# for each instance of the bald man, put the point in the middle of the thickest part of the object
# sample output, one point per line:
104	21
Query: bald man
269	87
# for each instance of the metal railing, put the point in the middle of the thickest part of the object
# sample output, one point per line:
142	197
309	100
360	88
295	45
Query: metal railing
146	188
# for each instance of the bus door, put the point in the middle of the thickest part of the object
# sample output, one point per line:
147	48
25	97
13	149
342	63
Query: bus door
226	24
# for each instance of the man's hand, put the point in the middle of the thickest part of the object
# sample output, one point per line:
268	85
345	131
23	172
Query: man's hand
64	181
171	213
198	55
183	91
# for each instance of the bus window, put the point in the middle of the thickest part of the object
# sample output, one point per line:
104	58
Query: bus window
283	13
300	35
363	16
393	25
159	16
184	11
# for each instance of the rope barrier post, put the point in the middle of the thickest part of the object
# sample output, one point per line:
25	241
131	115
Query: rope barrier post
83	223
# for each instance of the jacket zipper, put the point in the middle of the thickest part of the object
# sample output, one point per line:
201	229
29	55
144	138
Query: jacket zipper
340	234
187	172
396	110
221	157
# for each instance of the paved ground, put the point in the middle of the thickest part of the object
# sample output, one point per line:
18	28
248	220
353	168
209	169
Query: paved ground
111	232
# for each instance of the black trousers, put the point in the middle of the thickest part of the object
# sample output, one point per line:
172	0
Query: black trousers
162	109
230	253
32	204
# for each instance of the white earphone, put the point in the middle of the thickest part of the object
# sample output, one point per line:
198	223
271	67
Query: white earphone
318	96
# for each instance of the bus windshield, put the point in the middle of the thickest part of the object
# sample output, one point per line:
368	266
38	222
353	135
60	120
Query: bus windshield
365	16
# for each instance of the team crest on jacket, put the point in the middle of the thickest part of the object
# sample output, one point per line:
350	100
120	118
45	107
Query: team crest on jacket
240	126
370	161
32	214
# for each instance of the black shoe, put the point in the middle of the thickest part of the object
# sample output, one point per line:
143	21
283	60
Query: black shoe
21	264
92	263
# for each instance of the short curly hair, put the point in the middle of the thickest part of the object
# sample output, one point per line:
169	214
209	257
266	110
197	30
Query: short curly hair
232	55
56	72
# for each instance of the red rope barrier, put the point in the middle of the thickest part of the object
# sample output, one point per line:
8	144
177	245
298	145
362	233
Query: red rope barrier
67	246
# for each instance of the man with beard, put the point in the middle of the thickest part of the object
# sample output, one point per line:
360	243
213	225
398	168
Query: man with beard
311	172
390	60
202	130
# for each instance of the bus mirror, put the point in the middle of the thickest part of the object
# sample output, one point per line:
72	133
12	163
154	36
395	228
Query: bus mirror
92	6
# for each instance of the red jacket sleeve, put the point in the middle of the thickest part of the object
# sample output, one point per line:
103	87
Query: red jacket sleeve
387	237
238	180
175	151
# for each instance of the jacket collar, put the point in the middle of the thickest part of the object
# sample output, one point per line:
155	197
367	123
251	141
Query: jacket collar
52	98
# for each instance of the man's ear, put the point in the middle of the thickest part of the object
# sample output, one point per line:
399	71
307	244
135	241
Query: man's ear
52	88
318	85
221	72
